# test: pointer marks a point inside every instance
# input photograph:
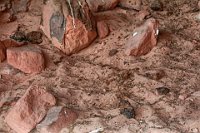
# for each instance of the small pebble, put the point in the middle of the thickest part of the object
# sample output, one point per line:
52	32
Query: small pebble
113	52
163	90
18	36
156	5
128	112
34	37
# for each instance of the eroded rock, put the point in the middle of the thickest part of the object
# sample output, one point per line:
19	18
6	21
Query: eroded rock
69	25
28	58
30	109
143	39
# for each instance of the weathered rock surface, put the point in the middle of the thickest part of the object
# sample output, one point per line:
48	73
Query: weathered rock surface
102	29
30	109
131	4
28	58
56	119
143	39
102	5
69	25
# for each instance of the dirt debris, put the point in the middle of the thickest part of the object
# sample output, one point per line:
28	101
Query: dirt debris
158	91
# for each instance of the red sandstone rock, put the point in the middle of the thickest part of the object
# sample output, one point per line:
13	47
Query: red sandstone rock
70	26
131	4
28	58
143	39
30	109
56	119
102	29
102	5
2	52
11	43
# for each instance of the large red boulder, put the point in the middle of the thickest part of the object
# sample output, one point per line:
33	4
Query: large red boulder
102	5
143	39
57	119
27	58
69	25
30	109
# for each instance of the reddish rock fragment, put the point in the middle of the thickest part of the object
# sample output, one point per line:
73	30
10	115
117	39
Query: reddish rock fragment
143	39
69	25
28	58
30	109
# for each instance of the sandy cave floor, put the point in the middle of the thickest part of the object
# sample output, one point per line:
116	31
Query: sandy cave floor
98	83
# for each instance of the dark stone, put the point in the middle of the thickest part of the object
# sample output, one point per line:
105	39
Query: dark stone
128	112
163	90
57	26
156	5
34	37
19	36
113	52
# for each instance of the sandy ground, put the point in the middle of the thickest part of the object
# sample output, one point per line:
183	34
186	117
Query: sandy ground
101	81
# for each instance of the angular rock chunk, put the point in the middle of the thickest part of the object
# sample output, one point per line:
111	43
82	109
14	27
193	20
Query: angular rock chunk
143	39
30	109
69	25
27	58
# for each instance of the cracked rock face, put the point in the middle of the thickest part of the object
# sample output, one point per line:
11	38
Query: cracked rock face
69	25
